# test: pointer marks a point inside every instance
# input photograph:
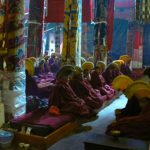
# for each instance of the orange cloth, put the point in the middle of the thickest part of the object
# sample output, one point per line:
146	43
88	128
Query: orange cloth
54	110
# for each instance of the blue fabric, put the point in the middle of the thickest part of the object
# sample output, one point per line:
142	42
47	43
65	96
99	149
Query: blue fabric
146	45
119	38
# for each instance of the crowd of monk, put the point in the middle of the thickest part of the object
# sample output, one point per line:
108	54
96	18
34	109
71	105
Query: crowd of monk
83	90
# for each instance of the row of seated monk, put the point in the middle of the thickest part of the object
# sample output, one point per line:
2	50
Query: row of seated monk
80	91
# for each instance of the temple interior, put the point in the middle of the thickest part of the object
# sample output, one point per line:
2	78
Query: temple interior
75	74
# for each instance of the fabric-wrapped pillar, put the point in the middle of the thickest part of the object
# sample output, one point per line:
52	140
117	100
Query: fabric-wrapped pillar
12	79
35	28
71	52
100	28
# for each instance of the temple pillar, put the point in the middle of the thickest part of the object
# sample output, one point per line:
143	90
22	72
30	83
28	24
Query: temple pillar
71	52
100	30
12	77
35	28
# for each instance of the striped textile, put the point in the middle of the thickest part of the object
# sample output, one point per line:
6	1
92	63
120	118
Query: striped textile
71	51
11	27
143	10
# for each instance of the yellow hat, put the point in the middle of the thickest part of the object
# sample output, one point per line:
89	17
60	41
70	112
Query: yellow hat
65	71
78	70
113	66
87	65
121	82
125	58
33	59
117	62
135	86
101	65
142	93
121	62
29	65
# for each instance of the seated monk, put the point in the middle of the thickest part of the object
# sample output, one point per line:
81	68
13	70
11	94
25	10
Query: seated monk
136	121
87	67
84	90
31	85
98	82
111	72
125	68
65	98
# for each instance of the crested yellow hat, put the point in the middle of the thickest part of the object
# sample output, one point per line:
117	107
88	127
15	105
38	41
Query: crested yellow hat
135	86
29	65
121	82
87	65
101	65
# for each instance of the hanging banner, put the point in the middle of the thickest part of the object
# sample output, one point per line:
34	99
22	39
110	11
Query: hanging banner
55	11
71	51
110	23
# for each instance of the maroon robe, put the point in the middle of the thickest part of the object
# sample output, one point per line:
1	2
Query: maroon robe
66	100
84	90
133	121
98	82
133	127
110	74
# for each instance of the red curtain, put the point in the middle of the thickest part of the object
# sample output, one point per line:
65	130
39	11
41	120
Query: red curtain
137	40
55	12
110	22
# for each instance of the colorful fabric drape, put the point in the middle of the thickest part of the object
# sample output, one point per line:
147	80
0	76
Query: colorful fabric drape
55	11
138	46
14	29
143	10
100	18
146	45
110	22
11	29
3	51
35	28
71	52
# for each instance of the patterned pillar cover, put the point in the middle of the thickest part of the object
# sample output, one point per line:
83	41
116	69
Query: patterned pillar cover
12	28
143	11
100	28
71	52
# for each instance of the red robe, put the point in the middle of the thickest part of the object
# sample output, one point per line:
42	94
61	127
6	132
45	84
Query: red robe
98	82
67	101
84	90
136	126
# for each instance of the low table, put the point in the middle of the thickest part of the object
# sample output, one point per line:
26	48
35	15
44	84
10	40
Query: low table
104	142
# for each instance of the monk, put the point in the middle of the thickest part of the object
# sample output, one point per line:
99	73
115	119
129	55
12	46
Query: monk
111	72
98	82
84	90
63	97
135	120
125	68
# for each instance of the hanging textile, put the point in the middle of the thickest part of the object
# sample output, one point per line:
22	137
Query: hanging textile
110	22
12	42
119	38
71	52
143	11
125	9
3	51
55	11
146	45
14	26
100	29
137	54
35	28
